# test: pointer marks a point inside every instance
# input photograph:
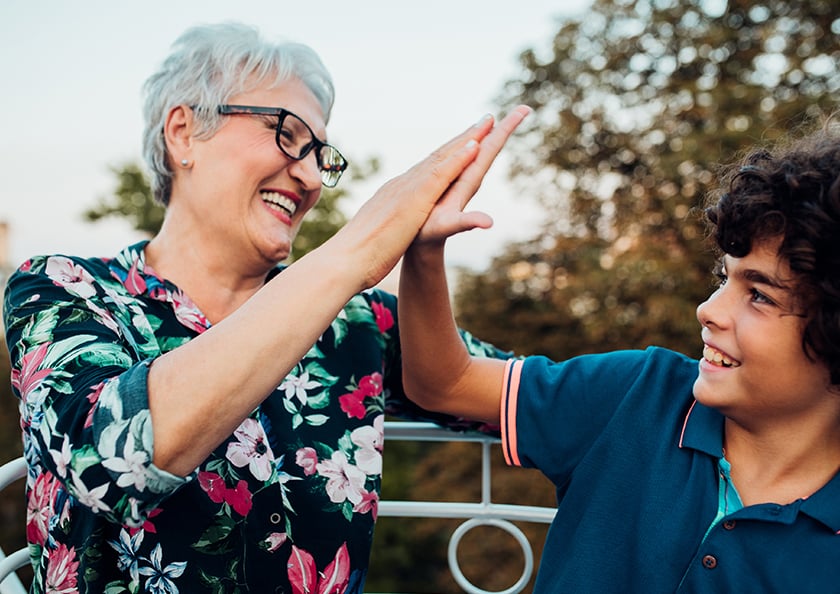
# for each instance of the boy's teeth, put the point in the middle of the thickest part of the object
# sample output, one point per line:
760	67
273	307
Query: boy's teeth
717	358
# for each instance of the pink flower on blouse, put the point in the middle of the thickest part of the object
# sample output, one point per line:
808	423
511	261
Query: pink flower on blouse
61	570
30	376
369	441
187	312
274	541
239	498
353	404
75	279
134	282
251	449
384	317
305	578
369	503
93	398
39	507
345	482
307	458
371	385
213	485
147	526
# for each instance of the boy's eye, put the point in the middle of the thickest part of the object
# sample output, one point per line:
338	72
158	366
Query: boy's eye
760	297
719	273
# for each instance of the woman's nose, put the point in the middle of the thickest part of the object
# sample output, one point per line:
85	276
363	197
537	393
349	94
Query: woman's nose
306	171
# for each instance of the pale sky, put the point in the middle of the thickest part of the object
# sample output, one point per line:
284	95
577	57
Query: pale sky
408	75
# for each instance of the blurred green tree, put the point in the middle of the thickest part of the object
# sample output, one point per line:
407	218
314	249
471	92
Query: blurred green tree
131	200
636	103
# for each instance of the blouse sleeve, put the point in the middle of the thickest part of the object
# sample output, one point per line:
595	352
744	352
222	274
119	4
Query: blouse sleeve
80	349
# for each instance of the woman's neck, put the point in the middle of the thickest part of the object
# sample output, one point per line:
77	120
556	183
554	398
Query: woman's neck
208	274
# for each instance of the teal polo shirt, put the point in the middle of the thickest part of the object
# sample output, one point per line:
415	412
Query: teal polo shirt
634	459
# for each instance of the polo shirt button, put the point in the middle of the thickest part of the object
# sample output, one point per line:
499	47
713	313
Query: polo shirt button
729	524
275	518
709	561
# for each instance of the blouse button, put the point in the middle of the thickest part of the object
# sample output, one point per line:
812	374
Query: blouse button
275	518
709	561
729	524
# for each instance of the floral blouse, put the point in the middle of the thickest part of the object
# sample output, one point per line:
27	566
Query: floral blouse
286	504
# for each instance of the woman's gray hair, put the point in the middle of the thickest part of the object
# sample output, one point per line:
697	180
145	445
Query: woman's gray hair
208	65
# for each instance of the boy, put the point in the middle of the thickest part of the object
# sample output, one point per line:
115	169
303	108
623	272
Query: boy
673	474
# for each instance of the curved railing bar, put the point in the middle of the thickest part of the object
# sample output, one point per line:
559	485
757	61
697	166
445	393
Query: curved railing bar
477	514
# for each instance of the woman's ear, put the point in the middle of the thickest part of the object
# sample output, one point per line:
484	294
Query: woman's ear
178	133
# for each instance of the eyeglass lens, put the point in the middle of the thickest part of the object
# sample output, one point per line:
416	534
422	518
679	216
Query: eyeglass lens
296	139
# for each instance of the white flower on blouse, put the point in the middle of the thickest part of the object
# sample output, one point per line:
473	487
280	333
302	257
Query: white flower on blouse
132	466
344	481
160	580
62	458
251	449
90	498
369	441
296	386
74	278
127	548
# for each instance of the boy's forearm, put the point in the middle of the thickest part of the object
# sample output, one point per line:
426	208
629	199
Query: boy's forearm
438	372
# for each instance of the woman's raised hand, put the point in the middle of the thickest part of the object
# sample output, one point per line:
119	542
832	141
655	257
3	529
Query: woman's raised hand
448	217
444	181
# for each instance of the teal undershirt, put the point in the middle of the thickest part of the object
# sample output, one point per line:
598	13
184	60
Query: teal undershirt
728	499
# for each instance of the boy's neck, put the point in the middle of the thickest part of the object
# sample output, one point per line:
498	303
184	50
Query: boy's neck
781	465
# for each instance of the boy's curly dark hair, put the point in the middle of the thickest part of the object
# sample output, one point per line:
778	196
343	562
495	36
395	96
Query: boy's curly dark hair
792	192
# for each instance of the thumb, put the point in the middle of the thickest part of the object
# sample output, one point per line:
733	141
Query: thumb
475	220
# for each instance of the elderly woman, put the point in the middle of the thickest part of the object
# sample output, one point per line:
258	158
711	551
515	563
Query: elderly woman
195	416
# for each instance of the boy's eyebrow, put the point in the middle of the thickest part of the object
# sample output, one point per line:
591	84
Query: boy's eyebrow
756	276
759	277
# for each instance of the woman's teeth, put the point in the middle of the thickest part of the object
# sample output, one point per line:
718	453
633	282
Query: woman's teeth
717	358
279	202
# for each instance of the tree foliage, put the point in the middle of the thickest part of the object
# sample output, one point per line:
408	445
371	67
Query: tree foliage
636	105
132	200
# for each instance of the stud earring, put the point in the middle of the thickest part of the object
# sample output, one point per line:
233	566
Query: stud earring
184	162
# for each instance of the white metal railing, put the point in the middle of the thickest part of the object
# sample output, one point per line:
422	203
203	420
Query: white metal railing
484	513
9	583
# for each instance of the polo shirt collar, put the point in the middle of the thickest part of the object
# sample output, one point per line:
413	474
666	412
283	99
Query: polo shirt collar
703	431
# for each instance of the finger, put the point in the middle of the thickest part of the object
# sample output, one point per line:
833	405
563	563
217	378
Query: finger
470	180
475	220
477	132
438	171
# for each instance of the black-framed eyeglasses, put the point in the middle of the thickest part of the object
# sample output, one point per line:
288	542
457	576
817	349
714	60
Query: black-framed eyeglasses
296	139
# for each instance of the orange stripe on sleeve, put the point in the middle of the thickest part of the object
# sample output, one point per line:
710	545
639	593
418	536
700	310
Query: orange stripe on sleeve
510	393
